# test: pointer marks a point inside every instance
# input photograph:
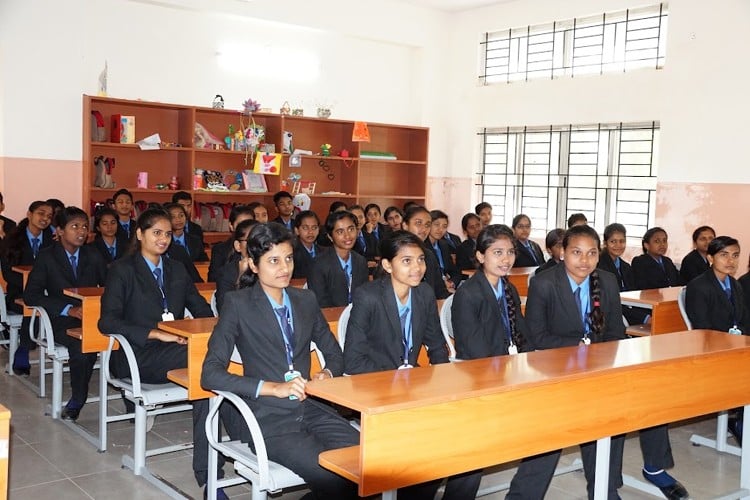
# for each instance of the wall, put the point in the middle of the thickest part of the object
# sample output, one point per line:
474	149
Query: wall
370	65
699	98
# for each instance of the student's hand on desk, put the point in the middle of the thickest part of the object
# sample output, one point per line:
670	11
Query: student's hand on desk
76	312
295	387
323	374
166	337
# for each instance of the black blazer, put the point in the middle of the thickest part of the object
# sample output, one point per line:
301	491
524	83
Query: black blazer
226	279
373	334
14	289
194	229
131	304
649	274
195	248
450	268
744	282
281	221
453	241
8	225
178	253
248	321
303	261
478	329
547	265
328	281
220	254
384	232
708	306
370	250
432	275
626	281
121	232
466	255
52	273
524	258
692	266
552	314
121	248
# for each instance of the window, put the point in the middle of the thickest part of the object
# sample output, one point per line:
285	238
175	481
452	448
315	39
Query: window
608	172
607	43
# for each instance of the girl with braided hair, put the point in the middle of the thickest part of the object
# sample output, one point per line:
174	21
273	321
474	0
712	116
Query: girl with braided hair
575	304
486	311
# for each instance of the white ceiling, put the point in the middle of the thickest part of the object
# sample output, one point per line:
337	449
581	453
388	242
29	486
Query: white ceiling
453	5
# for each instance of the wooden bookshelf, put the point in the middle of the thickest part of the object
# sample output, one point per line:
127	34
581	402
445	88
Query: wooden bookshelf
350	179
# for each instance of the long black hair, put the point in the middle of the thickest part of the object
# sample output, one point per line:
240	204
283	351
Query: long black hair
596	316
261	239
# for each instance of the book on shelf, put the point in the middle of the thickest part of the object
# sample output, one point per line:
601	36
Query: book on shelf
377	155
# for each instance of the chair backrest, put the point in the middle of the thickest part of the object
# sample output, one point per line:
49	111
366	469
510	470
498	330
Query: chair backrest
683	311
213	304
447	327
44	332
343	321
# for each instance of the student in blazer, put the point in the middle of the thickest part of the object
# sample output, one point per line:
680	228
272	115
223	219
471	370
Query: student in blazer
442	248
528	252
327	277
366	244
418	222
221	251
654	269
555	319
391	319
123	205
306	230
53	271
134	302
466	251
654	441
18	250
695	263
186	200
107	242
192	244
227	278
272	325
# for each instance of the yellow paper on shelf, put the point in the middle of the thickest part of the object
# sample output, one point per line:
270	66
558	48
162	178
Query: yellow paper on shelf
267	163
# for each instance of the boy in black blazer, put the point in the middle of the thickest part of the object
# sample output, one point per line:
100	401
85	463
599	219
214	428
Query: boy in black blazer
54	271
285	207
654	269
192	244
186	200
336	274
123	205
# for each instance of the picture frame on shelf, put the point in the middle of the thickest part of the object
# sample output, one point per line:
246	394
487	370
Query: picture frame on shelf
254	183
304	187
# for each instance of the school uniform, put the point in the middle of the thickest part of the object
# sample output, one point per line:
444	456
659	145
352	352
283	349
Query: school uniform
177	252
329	282
554	320
289	225
295	432
709	306
432	274
379	233
195	230
126	230
479	330
132	306
8	225
529	254
626	280
304	258
220	254
654	441
453	241
692	266
375	342
445	262
227	278
650	273
192	245
547	265
466	255
744	282
110	254
366	245
53	272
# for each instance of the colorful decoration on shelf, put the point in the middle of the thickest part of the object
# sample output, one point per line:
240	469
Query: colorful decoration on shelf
344	153
267	164
324	112
325	149
360	133
250	106
286	109
218	102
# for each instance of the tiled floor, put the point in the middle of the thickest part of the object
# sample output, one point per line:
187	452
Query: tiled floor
49	461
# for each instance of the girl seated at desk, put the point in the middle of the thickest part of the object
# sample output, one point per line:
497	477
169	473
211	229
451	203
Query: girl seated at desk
107	241
228	275
259	319
21	248
418	222
391	319
696	262
715	300
143	288
68	263
574	304
654	269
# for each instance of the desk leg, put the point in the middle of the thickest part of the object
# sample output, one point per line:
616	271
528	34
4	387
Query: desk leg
601	481
745	456
103	401
390	495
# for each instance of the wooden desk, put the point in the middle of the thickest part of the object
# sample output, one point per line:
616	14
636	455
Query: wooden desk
519	276
24	271
92	340
665	312
4	450
206	290
202	268
198	331
405	413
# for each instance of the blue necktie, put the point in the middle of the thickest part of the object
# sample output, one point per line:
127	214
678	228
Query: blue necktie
504	312
112	251
579	304
440	257
728	292
404	336
159	280
35	247
126	227
531	251
286	326
348	283
74	265
361	239
449	240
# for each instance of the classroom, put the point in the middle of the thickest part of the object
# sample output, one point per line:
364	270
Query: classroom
412	63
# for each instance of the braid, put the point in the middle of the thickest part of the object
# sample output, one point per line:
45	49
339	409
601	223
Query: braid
518	340
596	317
